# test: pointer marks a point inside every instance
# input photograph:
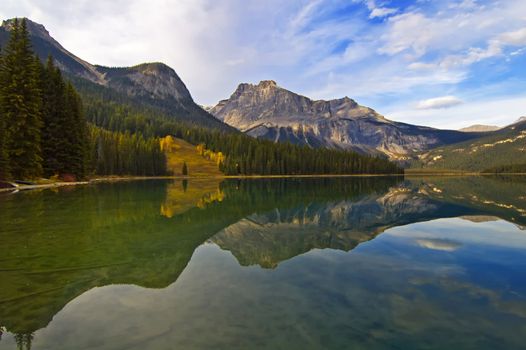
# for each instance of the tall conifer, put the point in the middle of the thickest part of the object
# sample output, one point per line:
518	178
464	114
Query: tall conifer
54	145
75	132
21	104
4	159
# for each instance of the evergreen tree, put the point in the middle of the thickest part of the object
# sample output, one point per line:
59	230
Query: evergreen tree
113	153
74	131
64	134
185	169
4	159
21	104
53	117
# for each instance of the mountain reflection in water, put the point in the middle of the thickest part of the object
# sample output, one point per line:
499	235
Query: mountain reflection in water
59	247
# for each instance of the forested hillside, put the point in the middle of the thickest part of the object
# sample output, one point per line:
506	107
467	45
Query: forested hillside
43	128
498	150
152	84
244	155
43	131
46	133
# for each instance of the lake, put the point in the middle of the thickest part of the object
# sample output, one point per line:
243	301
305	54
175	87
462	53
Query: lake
341	263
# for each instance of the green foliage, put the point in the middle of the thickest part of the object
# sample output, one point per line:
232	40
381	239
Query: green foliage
501	148
185	169
64	133
42	125
115	153
21	106
46	130
53	116
76	133
4	157
244	155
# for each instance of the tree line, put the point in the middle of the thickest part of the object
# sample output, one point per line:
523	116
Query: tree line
43	128
243	155
115	153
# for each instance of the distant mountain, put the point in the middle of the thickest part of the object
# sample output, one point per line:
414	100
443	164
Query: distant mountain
480	128
268	111
498	148
153	84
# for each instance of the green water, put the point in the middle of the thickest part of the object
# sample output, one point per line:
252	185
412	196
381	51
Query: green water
361	263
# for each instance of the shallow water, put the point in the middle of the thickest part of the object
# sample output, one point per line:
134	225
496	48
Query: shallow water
355	263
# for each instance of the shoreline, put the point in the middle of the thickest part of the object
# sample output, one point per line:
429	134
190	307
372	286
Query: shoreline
95	180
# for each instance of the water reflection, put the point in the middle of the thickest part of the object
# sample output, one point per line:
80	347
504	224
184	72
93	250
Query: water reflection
103	260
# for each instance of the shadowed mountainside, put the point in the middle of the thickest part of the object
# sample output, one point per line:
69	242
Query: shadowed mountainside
151	84
499	148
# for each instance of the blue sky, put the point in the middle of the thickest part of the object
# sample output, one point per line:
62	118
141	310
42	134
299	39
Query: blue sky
443	63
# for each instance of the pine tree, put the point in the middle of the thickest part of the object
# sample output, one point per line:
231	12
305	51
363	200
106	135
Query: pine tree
53	117
185	169
4	158
21	104
75	133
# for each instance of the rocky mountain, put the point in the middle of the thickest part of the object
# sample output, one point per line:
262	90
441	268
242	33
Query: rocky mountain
269	238
480	128
154	84
498	148
268	111
266	239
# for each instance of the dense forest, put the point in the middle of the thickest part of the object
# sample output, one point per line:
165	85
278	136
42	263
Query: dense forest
495	152
244	155
71	128
115	153
43	128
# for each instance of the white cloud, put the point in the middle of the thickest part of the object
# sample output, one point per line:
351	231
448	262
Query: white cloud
216	44
465	4
379	11
439	102
382	12
517	37
496	111
473	55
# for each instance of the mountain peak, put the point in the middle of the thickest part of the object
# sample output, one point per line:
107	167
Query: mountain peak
34	28
268	111
153	66
267	83
154	83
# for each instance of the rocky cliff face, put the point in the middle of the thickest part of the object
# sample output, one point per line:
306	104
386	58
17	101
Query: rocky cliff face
268	111
152	83
155	80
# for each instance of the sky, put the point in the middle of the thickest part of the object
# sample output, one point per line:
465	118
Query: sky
441	63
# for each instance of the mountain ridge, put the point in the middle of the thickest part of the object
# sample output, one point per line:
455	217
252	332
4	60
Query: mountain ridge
268	111
502	147
154	83
480	128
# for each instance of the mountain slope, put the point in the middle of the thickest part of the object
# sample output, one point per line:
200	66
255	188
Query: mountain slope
151	84
502	147
479	128
271	112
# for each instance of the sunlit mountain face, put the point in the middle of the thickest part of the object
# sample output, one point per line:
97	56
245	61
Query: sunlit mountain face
276	263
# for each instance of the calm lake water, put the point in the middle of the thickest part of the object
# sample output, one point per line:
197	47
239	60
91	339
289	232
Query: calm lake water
354	263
